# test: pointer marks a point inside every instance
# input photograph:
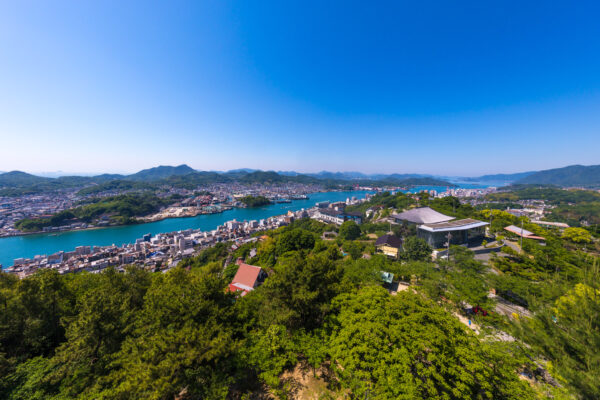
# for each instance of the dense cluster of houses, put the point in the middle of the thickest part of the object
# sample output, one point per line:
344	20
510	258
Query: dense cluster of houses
160	252
14	209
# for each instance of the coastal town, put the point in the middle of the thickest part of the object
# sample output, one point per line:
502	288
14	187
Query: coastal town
164	251
216	200
208	199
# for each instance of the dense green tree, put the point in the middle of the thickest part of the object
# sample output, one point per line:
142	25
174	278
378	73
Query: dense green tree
294	239
499	219
30	380
416	249
398	201
271	352
136	334
359	272
468	287
353	249
577	235
255	201
105	316
41	301
349	230
183	341
214	253
300	290
568	334
312	347
405	347
310	225
451	205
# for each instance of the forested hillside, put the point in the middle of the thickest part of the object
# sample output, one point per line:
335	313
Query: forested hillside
18	183
575	207
571	176
323	309
119	209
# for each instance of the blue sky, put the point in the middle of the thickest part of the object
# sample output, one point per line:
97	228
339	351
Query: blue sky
412	87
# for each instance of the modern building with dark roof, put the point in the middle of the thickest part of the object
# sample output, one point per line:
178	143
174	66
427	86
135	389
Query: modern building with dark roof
463	231
421	215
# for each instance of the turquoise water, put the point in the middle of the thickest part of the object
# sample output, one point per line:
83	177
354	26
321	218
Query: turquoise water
31	245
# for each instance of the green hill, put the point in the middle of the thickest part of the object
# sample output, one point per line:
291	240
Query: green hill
18	183
571	176
161	172
19	179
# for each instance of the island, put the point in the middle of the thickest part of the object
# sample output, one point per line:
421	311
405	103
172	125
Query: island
113	210
255	201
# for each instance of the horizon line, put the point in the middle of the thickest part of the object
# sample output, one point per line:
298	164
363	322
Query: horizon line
59	173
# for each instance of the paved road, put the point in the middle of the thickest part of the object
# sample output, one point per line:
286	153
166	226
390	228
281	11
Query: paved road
513	245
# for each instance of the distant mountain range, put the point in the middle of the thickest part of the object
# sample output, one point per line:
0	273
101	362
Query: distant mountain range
346	176
575	175
571	176
499	178
360	175
17	182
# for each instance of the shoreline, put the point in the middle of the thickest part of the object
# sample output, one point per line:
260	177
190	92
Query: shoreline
27	246
66	231
22	234
162	218
140	221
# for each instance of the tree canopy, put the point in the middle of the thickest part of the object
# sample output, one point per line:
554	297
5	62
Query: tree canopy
349	230
323	307
401	348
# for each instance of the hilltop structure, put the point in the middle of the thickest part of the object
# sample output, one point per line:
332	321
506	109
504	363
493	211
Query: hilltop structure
437	229
459	232
247	278
421	215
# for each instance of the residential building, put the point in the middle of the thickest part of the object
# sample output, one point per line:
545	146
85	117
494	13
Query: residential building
247	278
390	245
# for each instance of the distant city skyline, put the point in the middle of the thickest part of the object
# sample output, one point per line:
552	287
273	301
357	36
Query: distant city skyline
401	87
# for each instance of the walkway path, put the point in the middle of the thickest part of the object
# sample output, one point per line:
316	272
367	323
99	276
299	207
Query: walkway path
515	246
474	327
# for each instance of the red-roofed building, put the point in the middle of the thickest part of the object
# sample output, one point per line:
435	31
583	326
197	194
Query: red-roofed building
247	278
522	232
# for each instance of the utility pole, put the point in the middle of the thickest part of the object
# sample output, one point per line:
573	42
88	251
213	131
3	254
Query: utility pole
521	235
449	236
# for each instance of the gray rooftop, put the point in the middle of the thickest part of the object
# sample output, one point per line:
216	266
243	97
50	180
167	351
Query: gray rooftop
459	225
422	215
